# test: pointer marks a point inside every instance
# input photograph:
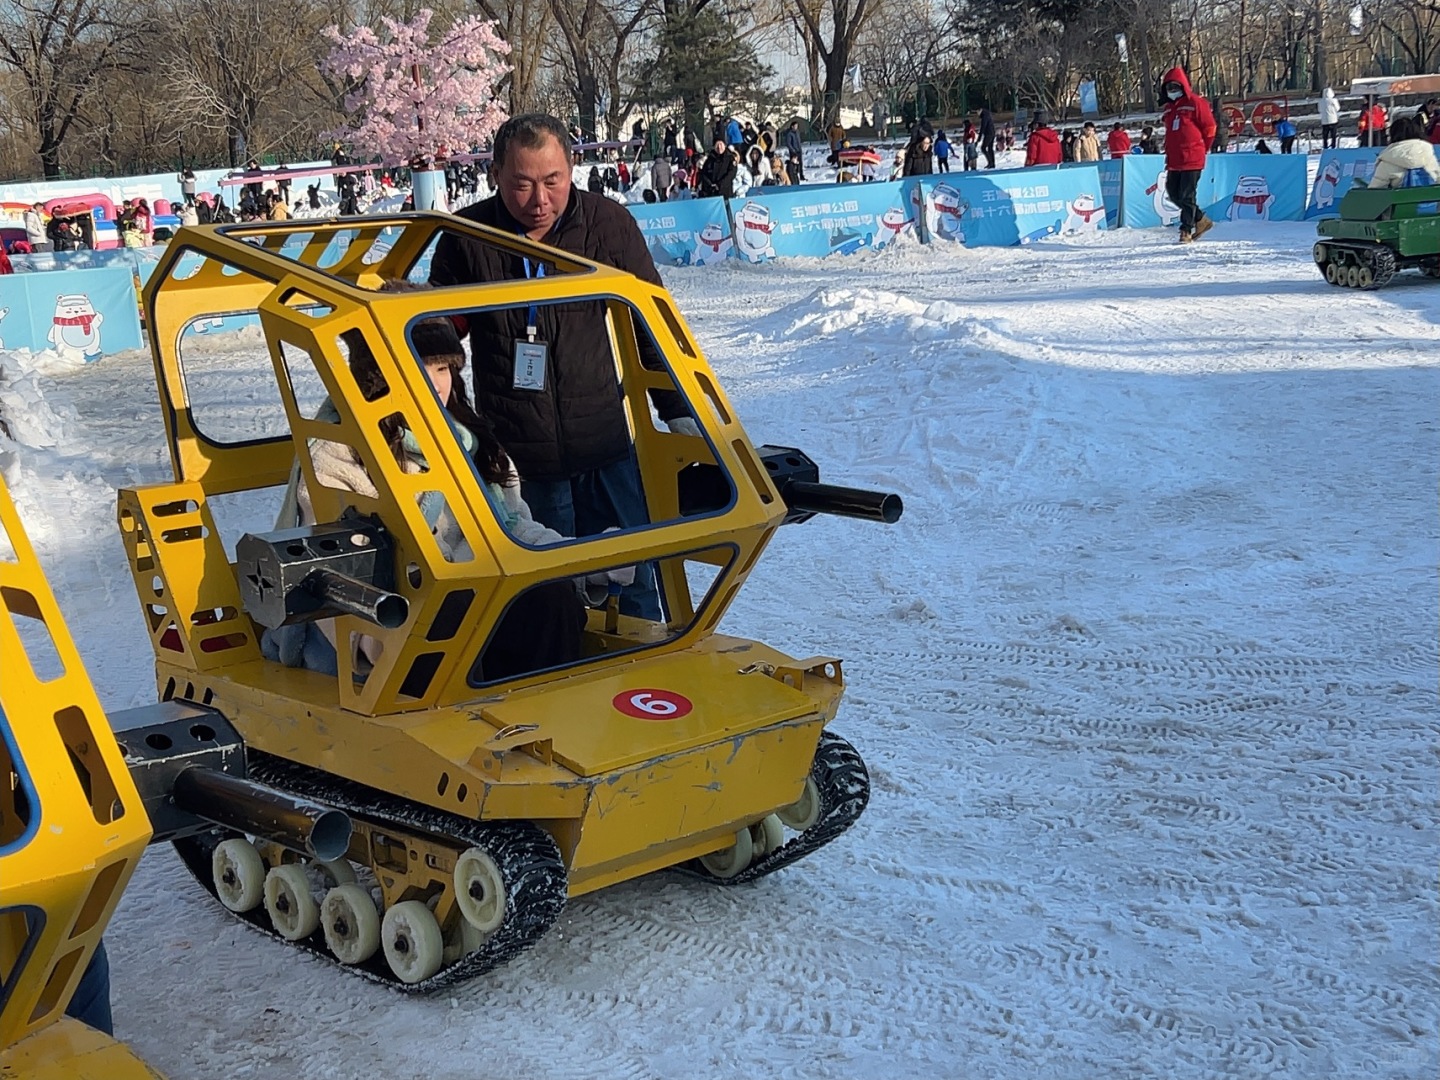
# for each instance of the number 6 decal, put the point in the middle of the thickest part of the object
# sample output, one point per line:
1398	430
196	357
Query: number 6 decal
650	704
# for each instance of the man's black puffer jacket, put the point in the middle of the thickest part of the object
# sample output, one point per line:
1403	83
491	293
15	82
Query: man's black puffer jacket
577	422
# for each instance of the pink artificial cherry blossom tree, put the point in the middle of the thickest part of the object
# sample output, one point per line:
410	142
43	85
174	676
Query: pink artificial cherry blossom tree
415	97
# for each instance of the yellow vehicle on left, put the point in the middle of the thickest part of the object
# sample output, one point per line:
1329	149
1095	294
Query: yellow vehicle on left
81	795
72	829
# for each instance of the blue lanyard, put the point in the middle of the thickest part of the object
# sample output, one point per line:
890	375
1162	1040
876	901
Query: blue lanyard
531	319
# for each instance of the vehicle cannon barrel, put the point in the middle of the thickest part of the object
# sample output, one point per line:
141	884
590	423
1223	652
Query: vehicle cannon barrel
318	572
798	479
359	598
803	496
319	831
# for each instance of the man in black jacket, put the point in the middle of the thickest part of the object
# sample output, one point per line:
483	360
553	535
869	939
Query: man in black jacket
552	392
717	173
987	136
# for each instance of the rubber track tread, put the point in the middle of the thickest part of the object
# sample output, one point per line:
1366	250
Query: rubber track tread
843	784
526	855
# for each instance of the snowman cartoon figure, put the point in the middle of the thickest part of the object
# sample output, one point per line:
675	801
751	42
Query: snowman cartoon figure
1251	201
712	245
1168	212
76	330
950	209
754	232
892	223
1324	194
1084	215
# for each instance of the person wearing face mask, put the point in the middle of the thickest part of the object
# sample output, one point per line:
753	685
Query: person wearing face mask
1189	130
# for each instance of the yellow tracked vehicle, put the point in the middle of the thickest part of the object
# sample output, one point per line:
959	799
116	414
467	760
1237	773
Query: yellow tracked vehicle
476	804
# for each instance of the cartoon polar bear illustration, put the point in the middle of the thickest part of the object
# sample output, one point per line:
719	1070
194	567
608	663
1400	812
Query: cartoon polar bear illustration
891	224
1325	185
76	330
712	245
1084	215
754	232
945	209
1168	212
1251	201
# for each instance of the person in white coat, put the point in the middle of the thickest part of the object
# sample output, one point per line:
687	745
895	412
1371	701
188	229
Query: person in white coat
1408	150
1329	119
35	228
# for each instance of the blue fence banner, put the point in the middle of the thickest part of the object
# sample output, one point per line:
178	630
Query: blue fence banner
839	220
1089	99
1254	187
685	232
1339	169
80	314
1014	206
1233	187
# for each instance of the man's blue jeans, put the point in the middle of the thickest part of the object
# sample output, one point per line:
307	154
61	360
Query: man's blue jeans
91	1003
587	504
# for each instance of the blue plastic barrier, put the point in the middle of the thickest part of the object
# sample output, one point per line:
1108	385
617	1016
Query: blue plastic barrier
1011	206
82	314
686	232
840	219
1254	187
1234	187
1339	169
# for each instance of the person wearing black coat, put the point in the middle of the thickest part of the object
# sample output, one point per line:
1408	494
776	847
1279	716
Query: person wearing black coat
717	172
987	137
918	160
563	424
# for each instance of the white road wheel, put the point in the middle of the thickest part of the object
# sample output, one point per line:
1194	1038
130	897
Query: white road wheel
804	811
1330	271
1364	277
352	925
337	871
292	909
239	874
462	941
729	861
412	940
480	891
766	835
1352	275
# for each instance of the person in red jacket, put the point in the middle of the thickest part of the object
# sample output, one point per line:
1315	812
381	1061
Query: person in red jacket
1189	130
1043	146
1118	141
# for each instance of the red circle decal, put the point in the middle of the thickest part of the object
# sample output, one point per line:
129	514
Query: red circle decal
646	704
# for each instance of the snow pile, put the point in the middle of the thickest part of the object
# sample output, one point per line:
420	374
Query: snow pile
26	416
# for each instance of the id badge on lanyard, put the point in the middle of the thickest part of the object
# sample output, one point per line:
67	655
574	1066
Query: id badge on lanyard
531	355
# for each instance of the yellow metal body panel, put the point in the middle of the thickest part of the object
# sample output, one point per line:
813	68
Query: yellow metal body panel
622	795
304	307
72	826
69	1050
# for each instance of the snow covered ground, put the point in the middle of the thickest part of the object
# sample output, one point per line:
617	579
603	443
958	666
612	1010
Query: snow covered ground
1146	678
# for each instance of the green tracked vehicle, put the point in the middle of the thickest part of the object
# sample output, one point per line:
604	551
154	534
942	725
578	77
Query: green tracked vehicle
1380	231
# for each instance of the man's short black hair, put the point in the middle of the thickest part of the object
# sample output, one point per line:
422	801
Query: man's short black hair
529	130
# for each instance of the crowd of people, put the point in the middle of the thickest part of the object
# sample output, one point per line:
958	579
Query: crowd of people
741	155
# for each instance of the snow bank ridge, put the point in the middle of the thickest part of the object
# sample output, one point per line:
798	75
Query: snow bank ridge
878	315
